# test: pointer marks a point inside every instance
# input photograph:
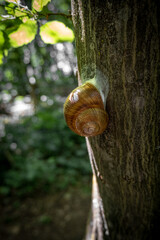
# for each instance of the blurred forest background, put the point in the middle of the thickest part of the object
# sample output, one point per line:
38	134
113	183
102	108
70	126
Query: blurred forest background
45	173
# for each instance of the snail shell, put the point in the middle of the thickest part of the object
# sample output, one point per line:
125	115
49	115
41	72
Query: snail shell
84	111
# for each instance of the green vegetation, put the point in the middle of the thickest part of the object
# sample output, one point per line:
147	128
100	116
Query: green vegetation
39	151
37	148
21	24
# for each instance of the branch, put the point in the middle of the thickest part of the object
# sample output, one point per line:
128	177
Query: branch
47	15
26	10
61	14
21	8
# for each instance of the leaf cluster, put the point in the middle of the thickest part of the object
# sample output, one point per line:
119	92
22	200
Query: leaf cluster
20	25
39	151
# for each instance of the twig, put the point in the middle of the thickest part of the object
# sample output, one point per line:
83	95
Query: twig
26	10
23	9
56	14
61	14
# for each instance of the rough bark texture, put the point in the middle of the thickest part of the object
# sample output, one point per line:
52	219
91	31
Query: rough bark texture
121	39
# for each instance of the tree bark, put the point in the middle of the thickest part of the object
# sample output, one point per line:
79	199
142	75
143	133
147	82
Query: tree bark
121	40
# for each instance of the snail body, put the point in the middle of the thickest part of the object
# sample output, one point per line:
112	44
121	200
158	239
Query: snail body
84	111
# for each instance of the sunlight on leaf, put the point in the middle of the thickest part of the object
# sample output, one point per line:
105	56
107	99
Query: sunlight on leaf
39	4
54	32
19	13
25	19
24	34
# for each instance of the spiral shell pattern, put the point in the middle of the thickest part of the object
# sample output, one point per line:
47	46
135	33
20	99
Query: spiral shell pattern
84	111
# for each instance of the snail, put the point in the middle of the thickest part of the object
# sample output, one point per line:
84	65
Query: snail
84	110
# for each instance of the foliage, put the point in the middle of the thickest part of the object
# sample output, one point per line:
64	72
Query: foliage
24	34
54	32
39	4
41	150
19	25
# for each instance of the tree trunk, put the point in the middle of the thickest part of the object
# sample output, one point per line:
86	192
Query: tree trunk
121	40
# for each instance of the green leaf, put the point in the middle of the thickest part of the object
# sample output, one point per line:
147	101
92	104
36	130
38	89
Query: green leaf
1	57
2	26
24	34
39	4
54	32
2	40
19	13
2	10
10	8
